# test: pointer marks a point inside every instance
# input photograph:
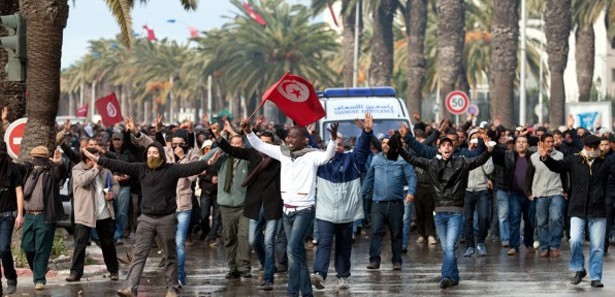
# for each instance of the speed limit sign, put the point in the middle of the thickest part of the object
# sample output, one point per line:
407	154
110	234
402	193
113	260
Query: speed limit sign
457	102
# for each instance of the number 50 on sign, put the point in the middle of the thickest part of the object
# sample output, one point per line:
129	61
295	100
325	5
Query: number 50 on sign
457	102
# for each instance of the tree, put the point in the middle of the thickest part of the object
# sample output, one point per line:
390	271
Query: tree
381	67
416	26
505	40
557	18
451	33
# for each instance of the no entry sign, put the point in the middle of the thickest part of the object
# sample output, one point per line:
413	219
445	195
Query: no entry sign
457	102
14	135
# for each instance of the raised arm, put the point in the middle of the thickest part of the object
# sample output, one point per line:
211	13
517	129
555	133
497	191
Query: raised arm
270	150
189	169
237	152
414	160
120	166
83	177
476	162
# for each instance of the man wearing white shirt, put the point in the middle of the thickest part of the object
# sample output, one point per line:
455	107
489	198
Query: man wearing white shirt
299	165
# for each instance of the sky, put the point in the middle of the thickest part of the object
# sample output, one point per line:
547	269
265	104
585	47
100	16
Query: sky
91	20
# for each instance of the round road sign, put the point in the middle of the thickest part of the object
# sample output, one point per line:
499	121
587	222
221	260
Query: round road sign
457	102
473	110
14	135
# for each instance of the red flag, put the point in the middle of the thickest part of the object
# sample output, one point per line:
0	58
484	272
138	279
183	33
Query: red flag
257	17
332	13
151	36
83	111
109	110
296	97
194	32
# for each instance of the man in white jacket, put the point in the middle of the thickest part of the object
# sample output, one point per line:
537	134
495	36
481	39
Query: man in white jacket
299	165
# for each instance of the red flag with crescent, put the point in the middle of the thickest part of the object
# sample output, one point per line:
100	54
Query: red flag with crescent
109	110
296	97
255	16
83	111
151	36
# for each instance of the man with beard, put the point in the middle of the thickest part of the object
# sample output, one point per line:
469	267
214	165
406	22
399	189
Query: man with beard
159	185
299	165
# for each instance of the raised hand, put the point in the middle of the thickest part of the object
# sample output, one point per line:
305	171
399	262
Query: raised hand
259	121
215	129
416	116
229	128
403	130
368	122
570	121
214	158
358	123
158	123
66	127
89	155
444	125
57	157
333	130
130	125
245	126
5	113
542	150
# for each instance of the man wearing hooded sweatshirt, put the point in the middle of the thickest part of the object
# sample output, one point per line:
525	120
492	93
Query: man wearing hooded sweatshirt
589	171
299	165
159	186
338	204
449	177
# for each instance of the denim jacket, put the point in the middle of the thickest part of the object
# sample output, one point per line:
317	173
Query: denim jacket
387	179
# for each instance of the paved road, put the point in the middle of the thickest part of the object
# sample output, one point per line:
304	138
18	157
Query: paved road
495	275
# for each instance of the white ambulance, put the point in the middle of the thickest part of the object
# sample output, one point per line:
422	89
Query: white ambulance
343	105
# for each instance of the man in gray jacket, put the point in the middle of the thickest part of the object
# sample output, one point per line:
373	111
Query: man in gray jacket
547	189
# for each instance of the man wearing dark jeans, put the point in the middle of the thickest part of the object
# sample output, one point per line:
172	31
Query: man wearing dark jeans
11	214
387	176
94	190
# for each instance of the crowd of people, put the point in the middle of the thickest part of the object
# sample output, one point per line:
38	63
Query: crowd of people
267	188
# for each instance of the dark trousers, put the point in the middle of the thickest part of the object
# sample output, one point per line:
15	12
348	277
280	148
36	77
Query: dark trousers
36	242
478	201
281	244
424	207
105	229
236	245
343	248
610	215
209	206
147	230
383	213
6	234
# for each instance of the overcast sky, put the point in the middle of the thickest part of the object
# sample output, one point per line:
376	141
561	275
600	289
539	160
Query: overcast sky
91	19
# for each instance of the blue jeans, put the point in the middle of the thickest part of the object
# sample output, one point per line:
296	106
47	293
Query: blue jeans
6	233
503	209
296	225
597	227
121	204
281	243
448	226
264	247
407	223
520	206
383	213
550	221
343	248
476	212
183	220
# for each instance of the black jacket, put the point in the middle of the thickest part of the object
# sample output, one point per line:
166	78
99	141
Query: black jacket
52	176
449	178
265	190
587	184
507	159
158	186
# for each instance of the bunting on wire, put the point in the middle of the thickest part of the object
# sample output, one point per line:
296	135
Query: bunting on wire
255	16
151	36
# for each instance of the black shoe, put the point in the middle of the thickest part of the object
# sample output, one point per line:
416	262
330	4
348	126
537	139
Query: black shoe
404	250
445	283
578	277
73	278
114	276
232	274
11	286
597	284
373	265
268	286
396	266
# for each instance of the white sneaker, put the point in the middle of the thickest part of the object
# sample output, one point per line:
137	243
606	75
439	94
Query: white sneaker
342	283
421	239
536	244
317	281
432	240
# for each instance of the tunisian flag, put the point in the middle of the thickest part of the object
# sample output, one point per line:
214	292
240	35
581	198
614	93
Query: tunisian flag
83	111
109	110
296	97
151	36
257	17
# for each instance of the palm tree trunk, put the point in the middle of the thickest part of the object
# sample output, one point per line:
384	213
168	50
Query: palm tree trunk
381	67
348	40
584	57
12	94
451	34
557	29
46	22
504	46
416	11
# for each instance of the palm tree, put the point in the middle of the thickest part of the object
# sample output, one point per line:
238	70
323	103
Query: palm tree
46	21
505	40
249	58
416	26
11	93
557	18
381	67
451	32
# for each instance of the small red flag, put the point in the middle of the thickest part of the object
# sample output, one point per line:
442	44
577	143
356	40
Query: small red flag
194	32
151	36
257	17
296	97
109	110
83	111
